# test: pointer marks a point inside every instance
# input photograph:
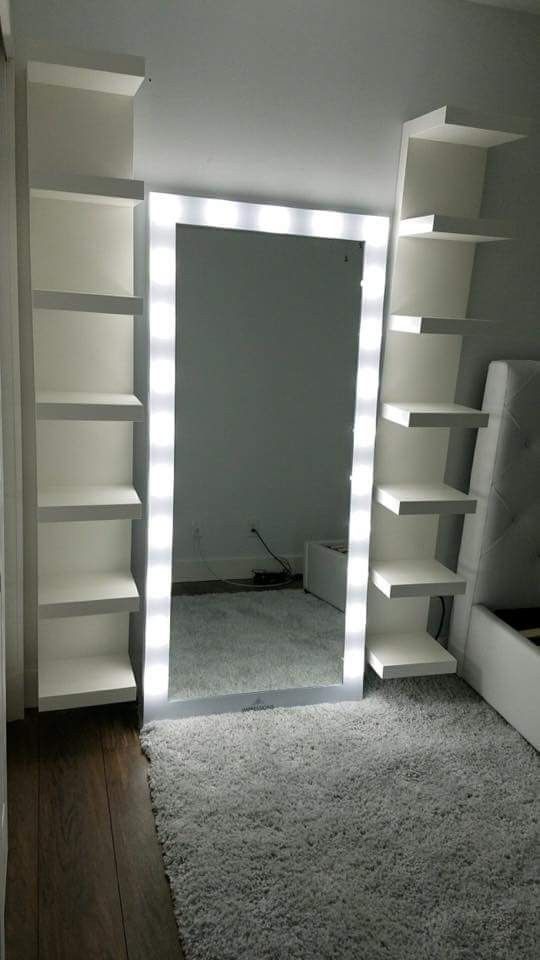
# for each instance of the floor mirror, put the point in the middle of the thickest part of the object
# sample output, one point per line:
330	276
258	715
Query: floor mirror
265	327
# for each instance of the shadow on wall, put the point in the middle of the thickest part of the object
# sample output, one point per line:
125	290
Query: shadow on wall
505	289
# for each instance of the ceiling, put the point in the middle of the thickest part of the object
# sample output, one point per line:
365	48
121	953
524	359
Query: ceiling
529	6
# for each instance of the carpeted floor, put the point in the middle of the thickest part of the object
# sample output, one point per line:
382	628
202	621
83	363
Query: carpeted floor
268	640
399	828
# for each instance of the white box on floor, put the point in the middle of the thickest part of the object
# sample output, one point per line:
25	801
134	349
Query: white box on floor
325	571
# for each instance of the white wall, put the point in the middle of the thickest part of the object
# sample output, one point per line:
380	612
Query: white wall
10	515
5	27
11	403
296	99
303	100
267	339
506	287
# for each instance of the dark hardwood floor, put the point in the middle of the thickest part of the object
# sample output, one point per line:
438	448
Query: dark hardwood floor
85	876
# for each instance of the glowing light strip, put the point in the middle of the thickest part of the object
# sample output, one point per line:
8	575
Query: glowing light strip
165	212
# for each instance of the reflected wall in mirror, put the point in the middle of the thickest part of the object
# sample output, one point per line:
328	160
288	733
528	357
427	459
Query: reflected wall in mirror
266	359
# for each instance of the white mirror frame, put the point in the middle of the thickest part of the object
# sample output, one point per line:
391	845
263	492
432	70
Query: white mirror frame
165	212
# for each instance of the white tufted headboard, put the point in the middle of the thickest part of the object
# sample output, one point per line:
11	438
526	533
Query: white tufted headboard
500	549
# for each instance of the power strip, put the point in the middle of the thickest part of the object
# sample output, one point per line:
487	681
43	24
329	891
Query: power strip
268	578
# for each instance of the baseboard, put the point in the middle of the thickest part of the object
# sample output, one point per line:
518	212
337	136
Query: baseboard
31	688
231	568
14	696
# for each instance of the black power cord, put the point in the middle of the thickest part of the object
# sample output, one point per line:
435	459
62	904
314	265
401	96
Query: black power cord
242	583
283	562
443	615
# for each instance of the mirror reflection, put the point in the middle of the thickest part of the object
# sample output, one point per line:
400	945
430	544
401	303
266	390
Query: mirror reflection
266	358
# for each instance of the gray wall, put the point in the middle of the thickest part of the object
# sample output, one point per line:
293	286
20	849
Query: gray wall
303	101
506	288
267	334
296	99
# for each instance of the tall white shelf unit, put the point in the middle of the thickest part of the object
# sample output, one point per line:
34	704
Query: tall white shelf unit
437	229
82	197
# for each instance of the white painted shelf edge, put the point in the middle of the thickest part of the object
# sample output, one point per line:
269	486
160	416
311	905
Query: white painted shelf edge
64	503
85	681
52	405
433	415
86	189
101	72
415	578
87	302
436	226
424	498
408	655
84	594
402	655
81	681
459	326
457	125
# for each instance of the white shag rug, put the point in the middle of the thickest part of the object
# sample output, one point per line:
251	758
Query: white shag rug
399	828
257	640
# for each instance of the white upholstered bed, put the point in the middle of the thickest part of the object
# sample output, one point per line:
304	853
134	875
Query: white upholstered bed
500	550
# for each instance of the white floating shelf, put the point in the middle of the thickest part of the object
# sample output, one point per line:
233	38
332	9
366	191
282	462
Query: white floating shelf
455	125
106	190
85	681
86	302
102	72
406	499
88	406
461	326
79	595
434	415
88	503
416	578
436	226
408	655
